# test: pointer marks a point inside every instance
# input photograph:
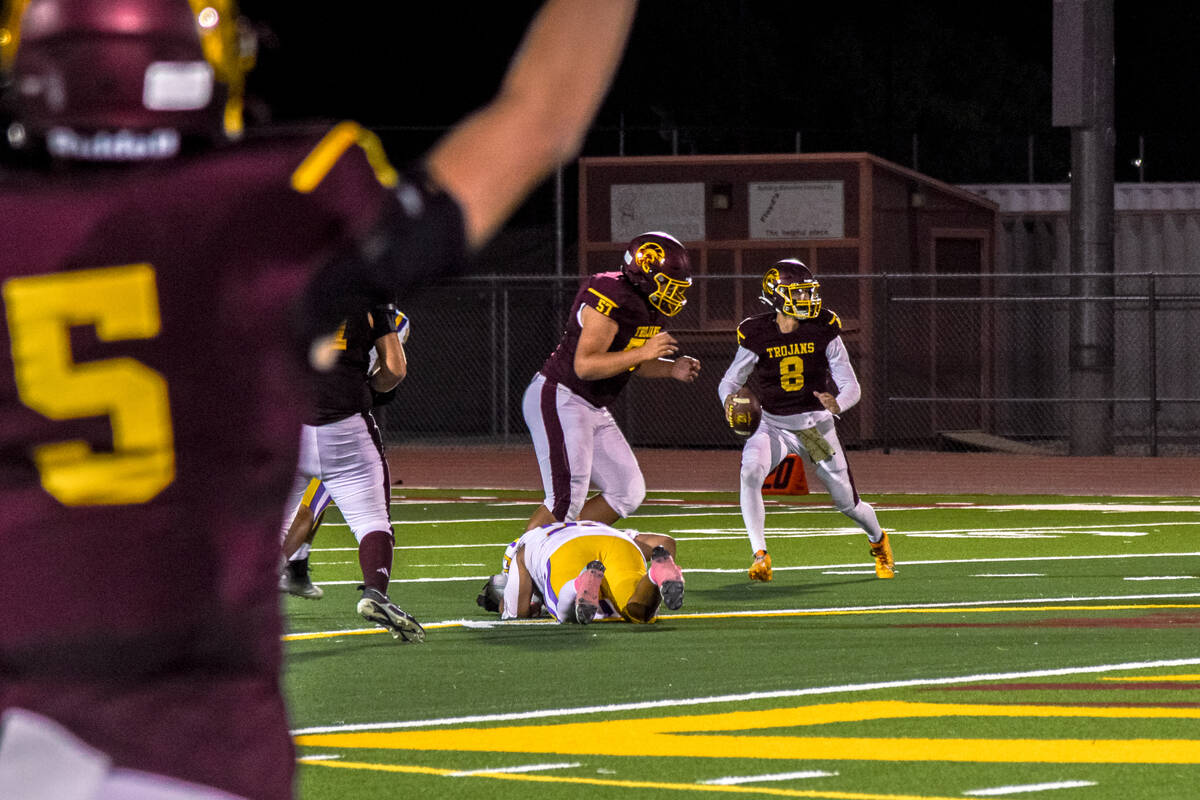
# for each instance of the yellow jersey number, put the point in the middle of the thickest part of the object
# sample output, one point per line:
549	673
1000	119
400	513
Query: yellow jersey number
635	343
791	373
122	303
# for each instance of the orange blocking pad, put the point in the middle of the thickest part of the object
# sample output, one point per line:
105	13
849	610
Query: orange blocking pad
787	478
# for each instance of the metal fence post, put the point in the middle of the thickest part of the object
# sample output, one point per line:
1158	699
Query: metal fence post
506	393
495	344
1152	358
883	369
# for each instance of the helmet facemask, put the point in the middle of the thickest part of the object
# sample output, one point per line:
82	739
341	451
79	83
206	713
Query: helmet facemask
669	297
791	295
657	264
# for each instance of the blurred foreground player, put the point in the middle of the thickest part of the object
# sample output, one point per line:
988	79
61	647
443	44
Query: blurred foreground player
615	331
161	287
787	356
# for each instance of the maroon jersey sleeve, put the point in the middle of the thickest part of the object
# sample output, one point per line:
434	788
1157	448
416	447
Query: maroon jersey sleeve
790	366
613	296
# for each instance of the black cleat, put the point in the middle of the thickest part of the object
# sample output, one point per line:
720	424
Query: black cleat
667	576
376	607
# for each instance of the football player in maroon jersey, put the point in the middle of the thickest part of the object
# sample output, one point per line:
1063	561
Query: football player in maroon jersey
341	444
614	331
163	277
787	357
353	463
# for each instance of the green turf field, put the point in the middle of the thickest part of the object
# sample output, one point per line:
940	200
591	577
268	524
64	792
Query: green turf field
1042	647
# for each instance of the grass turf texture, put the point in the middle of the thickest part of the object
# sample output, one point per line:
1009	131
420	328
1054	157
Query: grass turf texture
1029	646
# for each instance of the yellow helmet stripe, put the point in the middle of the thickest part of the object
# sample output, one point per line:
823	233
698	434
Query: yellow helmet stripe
329	150
10	32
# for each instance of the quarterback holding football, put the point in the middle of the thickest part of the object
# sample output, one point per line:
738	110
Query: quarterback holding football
785	360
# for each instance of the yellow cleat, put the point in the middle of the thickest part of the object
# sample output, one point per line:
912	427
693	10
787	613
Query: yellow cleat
885	565
760	570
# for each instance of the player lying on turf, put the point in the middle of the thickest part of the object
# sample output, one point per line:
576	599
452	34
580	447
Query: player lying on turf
581	571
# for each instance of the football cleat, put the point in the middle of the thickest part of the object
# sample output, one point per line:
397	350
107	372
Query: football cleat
667	576
760	570
587	592
300	587
881	551
376	607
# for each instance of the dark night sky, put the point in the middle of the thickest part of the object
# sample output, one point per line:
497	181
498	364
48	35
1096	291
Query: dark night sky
973	80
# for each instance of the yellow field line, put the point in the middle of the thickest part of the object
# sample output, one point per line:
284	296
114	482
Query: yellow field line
680	787
1155	678
296	637
946	610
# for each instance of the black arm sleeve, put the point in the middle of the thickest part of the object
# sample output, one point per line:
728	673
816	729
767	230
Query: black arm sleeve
418	238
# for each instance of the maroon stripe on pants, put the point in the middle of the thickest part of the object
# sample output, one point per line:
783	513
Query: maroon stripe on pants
850	477
377	438
560	465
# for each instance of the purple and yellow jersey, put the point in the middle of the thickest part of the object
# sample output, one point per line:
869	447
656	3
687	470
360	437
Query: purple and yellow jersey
556	553
316	498
612	295
156	323
790	366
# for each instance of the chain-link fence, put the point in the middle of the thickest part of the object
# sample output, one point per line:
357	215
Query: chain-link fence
1053	363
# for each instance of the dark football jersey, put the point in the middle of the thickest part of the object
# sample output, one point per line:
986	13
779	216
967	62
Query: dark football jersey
791	366
149	427
343	390
612	295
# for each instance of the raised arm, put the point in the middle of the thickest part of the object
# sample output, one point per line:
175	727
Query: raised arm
550	94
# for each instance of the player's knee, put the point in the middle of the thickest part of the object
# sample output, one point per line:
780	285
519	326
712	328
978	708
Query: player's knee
361	528
639	613
845	507
753	474
844	500
628	498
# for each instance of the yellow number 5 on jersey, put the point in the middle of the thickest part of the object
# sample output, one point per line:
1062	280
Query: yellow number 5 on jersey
122	303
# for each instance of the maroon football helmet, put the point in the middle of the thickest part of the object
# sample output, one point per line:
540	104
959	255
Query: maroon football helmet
790	288
658	265
122	80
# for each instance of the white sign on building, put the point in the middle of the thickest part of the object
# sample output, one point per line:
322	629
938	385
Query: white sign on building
676	208
797	210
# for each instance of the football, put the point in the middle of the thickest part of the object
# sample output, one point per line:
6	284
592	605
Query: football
743	411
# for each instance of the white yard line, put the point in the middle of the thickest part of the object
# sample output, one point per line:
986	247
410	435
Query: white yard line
750	696
1162	578
778	776
522	768
854	569
1029	787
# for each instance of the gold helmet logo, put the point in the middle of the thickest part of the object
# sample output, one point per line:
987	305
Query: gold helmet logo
649	256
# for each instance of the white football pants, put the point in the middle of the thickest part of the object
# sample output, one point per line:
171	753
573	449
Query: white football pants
578	445
763	451
42	760
347	456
